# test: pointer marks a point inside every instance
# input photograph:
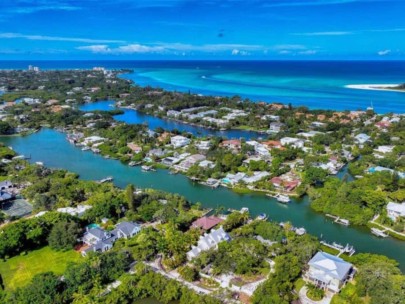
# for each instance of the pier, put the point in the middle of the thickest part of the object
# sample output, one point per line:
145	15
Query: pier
349	250
339	220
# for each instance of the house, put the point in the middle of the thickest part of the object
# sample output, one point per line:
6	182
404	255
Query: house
385	149
206	164
232	144
395	210
362	138
206	222
170	161
203	145
78	211
190	161
329	272
157	153
6	185
179	141
257	176
208	241
276	127
99	240
232	179
292	141
134	148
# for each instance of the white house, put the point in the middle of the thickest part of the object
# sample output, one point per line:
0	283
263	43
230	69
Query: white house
179	141
362	138
385	149
259	175
276	127
79	210
395	210
208	241
292	141
328	272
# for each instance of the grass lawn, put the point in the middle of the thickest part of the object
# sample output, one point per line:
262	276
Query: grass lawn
19	270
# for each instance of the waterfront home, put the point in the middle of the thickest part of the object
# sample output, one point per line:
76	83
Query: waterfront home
134	148
157	153
362	138
292	141
232	179
276	127
100	240
173	113
179	141
208	241
328	272
78	211
222	123
92	140
170	161
206	222
395	210
190	161
257	176
206	164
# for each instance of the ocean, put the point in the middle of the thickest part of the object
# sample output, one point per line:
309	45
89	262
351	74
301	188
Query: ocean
314	84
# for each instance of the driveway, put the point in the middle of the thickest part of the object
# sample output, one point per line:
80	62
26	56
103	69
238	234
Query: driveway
305	300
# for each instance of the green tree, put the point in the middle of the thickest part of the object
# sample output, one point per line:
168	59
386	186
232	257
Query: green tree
64	235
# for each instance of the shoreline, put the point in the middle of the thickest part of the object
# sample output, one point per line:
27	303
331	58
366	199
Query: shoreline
375	87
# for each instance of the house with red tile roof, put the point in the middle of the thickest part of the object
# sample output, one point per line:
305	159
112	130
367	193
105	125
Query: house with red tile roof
206	222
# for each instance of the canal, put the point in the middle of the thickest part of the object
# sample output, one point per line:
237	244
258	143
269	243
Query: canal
54	150
131	116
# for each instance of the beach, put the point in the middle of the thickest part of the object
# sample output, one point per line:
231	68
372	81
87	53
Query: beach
375	87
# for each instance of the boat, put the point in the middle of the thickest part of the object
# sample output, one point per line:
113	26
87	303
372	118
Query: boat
300	231
262	217
378	232
244	210
147	168
282	198
107	179
134	163
86	148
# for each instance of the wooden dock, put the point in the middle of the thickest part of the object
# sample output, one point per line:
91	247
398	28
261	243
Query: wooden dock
349	250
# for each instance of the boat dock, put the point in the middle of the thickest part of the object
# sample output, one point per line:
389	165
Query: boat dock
105	180
379	233
349	250
339	220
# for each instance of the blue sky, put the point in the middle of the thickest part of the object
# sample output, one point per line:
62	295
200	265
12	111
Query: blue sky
205	29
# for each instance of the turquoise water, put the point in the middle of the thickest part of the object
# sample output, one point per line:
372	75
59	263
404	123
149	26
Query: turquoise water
54	150
134	117
316	84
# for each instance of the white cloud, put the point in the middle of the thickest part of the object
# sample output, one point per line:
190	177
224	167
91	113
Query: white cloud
383	52
295	47
336	33
55	38
173	48
308	52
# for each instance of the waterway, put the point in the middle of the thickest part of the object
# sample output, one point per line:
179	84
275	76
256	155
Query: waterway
55	151
131	116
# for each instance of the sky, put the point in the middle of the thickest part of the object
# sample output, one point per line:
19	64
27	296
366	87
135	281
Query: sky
204	29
